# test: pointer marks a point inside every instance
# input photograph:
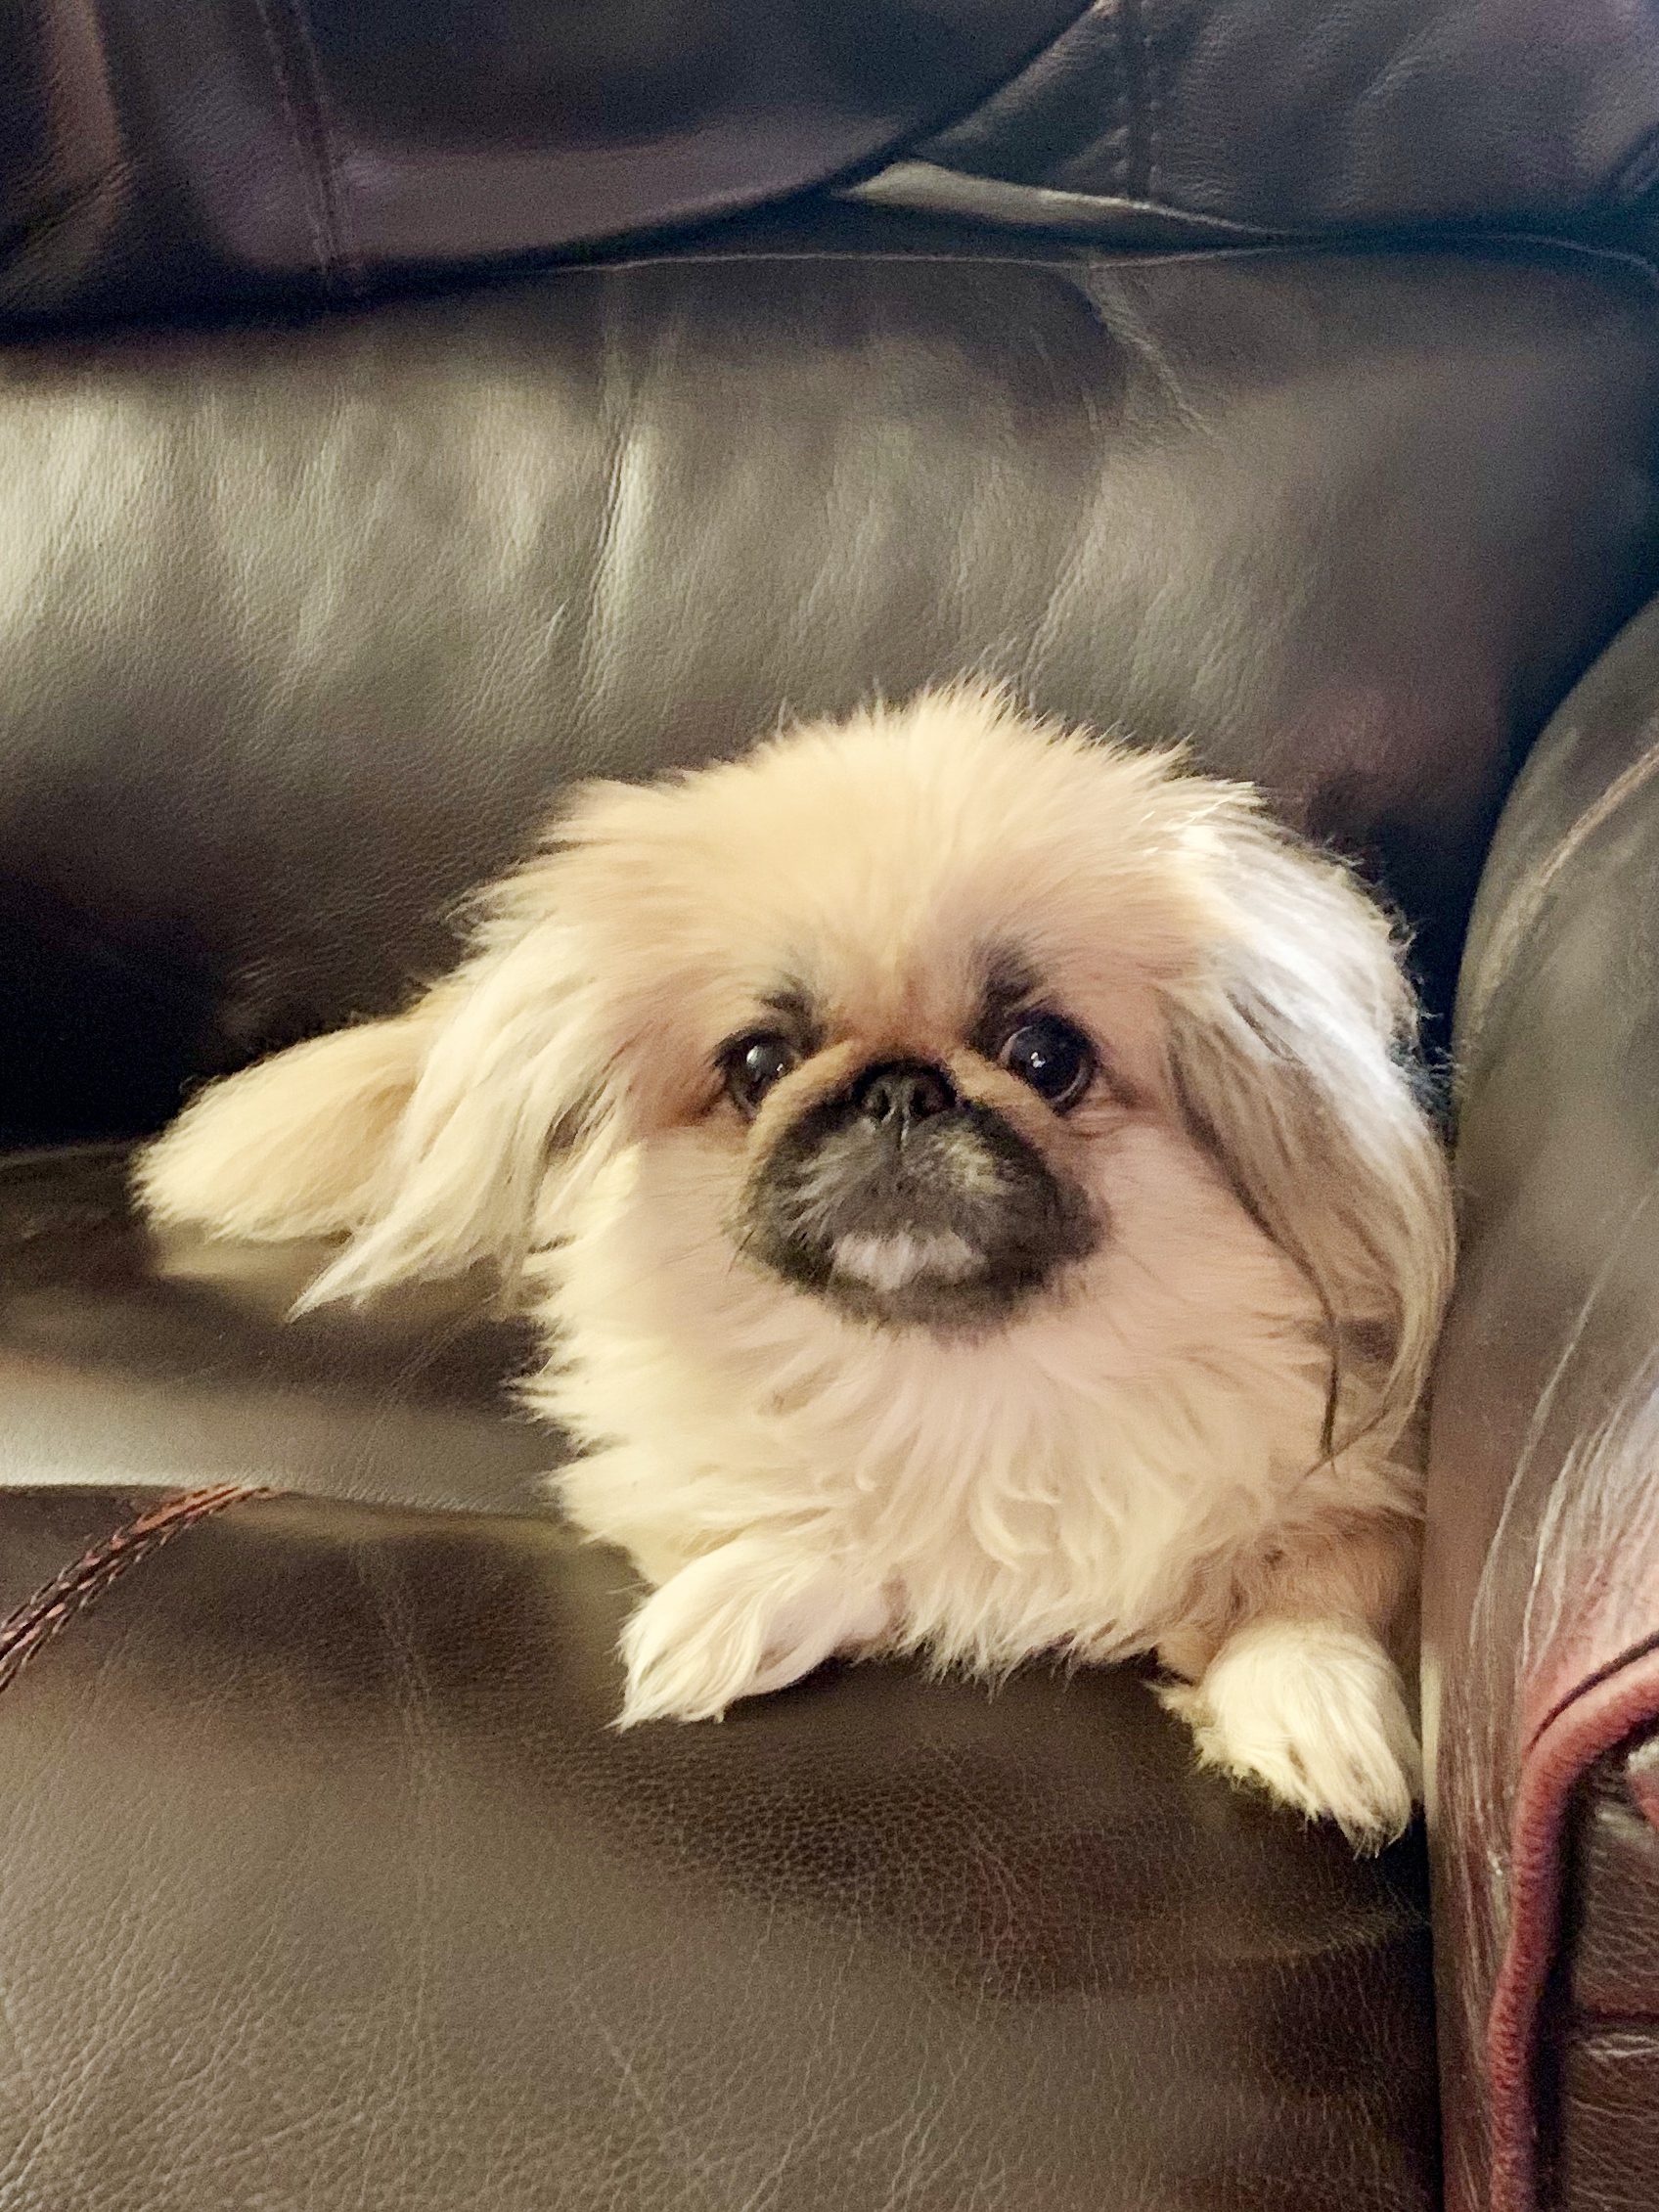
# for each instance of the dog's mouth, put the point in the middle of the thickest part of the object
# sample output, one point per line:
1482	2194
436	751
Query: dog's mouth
933	1213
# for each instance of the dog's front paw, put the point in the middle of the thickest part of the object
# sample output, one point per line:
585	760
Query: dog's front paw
740	1622
1315	1712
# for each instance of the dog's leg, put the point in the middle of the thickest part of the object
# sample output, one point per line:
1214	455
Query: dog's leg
1302	1696
751	1617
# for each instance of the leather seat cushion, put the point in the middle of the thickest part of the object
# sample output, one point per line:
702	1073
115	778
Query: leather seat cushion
327	1881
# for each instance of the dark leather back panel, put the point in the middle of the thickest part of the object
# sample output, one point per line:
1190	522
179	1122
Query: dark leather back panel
301	629
160	152
164	153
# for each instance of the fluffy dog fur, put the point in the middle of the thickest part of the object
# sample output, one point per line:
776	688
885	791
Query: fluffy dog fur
1186	1431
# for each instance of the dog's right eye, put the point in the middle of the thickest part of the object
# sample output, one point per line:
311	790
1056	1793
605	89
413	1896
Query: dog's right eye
752	1065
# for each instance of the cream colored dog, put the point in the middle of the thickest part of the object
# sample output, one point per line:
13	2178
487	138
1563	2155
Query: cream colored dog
977	1205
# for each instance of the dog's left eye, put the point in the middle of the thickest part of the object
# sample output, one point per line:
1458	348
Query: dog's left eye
752	1065
1055	1059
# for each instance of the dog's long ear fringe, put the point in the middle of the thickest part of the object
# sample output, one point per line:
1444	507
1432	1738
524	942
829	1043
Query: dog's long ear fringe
508	1092
428	1139
440	1138
1291	1065
295	1145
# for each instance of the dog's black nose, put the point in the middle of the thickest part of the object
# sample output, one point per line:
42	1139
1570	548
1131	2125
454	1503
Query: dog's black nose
902	1092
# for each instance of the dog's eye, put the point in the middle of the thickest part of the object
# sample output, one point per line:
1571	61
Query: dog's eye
752	1065
1055	1059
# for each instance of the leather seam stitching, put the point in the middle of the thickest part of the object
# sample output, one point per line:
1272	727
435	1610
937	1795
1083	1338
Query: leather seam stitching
313	184
1123	101
347	261
1140	125
44	1616
1152	77
1531	1943
944	126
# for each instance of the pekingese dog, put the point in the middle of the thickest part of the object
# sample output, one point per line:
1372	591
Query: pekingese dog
973	1184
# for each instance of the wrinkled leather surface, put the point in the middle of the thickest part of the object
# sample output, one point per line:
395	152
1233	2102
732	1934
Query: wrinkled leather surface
301	629
164	152
174	1362
395	1919
1542	1591
328	1883
1300	116
158	152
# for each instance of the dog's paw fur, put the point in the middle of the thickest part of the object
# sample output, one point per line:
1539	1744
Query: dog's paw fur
1315	1713
737	1623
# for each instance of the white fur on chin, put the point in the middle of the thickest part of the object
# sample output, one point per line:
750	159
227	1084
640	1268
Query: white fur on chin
889	1263
1136	1460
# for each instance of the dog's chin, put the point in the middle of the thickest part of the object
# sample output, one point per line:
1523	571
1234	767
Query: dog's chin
943	1309
920	1280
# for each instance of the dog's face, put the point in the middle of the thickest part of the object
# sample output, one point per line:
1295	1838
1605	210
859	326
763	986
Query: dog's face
914	1187
884	1000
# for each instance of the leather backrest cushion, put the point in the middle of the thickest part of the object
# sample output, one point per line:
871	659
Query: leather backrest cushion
1295	114
158	151
154	151
302	628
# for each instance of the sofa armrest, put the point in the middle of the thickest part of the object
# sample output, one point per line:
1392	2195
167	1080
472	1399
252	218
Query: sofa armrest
1542	1594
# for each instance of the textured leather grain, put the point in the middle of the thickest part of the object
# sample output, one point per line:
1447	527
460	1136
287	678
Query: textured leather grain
1606	2031
161	152
1297	115
328	1883
158	152
324	1880
303	629
1542	1570
168	1362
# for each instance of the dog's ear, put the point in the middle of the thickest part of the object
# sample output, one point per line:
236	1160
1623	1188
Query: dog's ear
295	1145
434	1140
1293	1065
508	1110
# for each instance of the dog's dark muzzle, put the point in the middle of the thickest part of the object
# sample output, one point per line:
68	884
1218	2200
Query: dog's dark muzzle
903	1203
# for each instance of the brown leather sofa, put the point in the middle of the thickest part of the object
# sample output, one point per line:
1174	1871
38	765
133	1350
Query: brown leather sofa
406	408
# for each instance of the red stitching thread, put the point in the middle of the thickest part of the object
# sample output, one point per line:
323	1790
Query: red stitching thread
38	1619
